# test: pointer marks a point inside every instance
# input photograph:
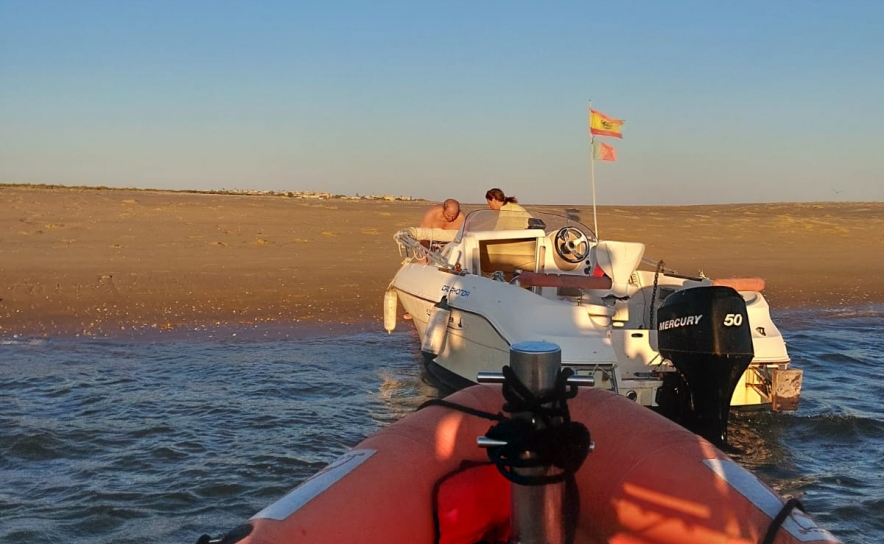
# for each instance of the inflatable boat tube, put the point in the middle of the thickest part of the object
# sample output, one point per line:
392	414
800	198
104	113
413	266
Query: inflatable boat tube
647	481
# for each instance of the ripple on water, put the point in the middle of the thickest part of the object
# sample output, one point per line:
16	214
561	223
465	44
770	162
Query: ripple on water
108	441
34	446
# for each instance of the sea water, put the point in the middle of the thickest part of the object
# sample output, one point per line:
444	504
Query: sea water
162	439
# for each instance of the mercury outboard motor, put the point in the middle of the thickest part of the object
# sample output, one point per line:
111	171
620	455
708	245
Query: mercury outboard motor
705	332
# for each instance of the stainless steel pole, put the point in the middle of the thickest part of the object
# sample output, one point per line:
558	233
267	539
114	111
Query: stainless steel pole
536	510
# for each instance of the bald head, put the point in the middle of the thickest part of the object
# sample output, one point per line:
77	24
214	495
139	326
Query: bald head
451	209
443	216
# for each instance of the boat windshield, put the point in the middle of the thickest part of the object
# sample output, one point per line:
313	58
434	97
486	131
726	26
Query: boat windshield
491	220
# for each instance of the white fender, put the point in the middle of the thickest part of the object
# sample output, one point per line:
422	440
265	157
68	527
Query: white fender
391	300
437	330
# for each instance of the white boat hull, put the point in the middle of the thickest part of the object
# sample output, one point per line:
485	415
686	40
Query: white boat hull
610	337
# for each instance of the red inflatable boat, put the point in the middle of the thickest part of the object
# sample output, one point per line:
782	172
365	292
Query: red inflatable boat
424	479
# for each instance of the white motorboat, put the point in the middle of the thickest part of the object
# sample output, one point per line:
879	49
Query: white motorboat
509	277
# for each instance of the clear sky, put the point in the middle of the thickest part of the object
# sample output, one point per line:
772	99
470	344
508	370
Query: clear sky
724	102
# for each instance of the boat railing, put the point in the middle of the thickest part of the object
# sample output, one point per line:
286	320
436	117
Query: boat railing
410	242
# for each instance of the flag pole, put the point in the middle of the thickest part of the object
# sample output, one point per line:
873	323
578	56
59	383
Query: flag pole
595	221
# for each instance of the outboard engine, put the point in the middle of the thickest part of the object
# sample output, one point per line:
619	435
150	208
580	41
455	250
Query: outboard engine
705	332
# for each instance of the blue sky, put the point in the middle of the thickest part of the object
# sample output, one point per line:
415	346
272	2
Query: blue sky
724	102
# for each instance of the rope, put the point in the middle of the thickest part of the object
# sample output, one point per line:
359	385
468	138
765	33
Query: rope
521	399
406	240
652	313
777	522
235	535
462	408
549	436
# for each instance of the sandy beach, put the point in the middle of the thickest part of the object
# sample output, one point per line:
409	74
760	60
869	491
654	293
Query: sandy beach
109	261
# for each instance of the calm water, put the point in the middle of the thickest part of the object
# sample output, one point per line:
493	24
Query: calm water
114	441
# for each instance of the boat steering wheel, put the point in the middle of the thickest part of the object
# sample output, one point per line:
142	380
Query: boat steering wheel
571	245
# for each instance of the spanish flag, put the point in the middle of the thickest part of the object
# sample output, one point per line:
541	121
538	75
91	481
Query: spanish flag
602	125
603	152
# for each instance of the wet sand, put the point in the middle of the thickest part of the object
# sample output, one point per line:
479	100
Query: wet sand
104	262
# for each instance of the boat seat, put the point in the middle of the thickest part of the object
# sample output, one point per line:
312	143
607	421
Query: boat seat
618	260
568	281
741	284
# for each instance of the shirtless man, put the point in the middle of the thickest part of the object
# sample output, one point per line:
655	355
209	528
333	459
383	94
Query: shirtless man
445	216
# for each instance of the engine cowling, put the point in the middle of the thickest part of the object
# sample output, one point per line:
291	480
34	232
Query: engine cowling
704	332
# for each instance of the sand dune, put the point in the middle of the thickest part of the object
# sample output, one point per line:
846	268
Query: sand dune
101	262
